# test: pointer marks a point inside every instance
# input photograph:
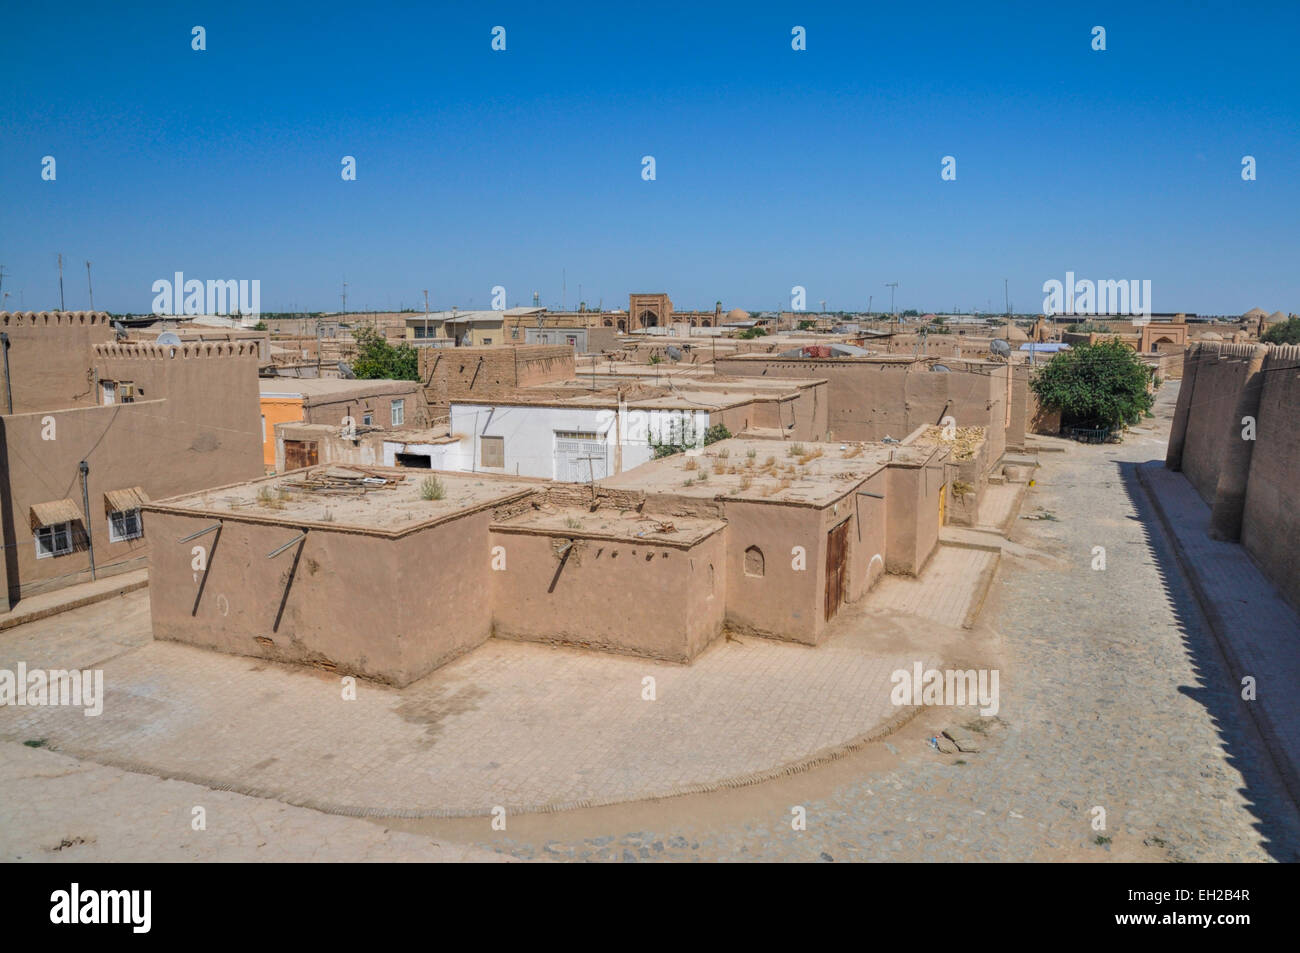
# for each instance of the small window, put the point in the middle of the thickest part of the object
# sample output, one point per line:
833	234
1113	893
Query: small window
572	339
487	340
124	525
755	564
367	420
492	451
264	428
55	540
420	461
398	409
108	390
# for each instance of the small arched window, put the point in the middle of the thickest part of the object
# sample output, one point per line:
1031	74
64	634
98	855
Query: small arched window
755	565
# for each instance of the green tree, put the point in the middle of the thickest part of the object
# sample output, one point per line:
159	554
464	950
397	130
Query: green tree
751	333
1284	332
377	359
1098	385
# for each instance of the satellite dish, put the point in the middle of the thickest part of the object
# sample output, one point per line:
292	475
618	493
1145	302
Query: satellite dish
346	372
167	339
674	353
999	348
120	330
941	368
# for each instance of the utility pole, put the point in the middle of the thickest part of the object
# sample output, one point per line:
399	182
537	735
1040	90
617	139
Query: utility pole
2	277
90	286
1007	296
891	285
61	308
426	314
345	297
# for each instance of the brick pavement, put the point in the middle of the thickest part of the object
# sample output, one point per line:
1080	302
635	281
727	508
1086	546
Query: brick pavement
523	726
55	809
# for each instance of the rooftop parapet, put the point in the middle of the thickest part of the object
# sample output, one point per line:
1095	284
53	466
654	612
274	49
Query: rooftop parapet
53	319
139	350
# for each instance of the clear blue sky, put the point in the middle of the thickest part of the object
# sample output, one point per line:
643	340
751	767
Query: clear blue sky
775	168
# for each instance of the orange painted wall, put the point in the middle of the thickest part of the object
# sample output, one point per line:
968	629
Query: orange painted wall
278	410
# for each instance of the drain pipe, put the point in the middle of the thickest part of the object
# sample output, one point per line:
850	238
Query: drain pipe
9	391
84	467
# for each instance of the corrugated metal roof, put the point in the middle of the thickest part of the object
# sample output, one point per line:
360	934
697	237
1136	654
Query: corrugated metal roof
55	512
130	498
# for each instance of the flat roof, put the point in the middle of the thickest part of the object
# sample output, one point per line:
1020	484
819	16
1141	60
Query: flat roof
611	524
328	386
761	470
393	508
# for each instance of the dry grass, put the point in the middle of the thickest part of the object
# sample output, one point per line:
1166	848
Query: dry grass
691	464
268	498
431	488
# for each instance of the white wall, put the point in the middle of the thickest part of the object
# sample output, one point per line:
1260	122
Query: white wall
436	452
530	442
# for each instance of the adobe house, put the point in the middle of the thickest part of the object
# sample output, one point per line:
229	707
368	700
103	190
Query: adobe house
98	427
301	445
584	431
354	570
875	397
477	372
382	404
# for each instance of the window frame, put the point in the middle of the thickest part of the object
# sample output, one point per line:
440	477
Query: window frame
53	531
114	536
397	412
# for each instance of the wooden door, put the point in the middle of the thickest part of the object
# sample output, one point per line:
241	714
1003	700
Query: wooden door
837	551
299	454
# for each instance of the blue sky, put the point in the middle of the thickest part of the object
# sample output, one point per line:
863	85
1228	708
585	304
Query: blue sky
774	168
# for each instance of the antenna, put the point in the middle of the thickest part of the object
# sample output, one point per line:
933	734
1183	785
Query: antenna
61	308
345	297
90	286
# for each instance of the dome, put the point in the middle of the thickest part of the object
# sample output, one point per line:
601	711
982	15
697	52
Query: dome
1276	316
737	314
1015	335
1255	313
1211	336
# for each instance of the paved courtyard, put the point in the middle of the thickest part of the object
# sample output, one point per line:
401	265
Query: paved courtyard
511	725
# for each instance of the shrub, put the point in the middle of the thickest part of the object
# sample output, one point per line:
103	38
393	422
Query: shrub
378	360
1098	385
431	488
1284	332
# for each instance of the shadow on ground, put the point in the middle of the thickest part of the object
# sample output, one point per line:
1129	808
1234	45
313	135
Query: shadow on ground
1217	692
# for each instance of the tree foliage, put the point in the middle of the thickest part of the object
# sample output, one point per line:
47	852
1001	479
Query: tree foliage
1284	332
377	359
1098	385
